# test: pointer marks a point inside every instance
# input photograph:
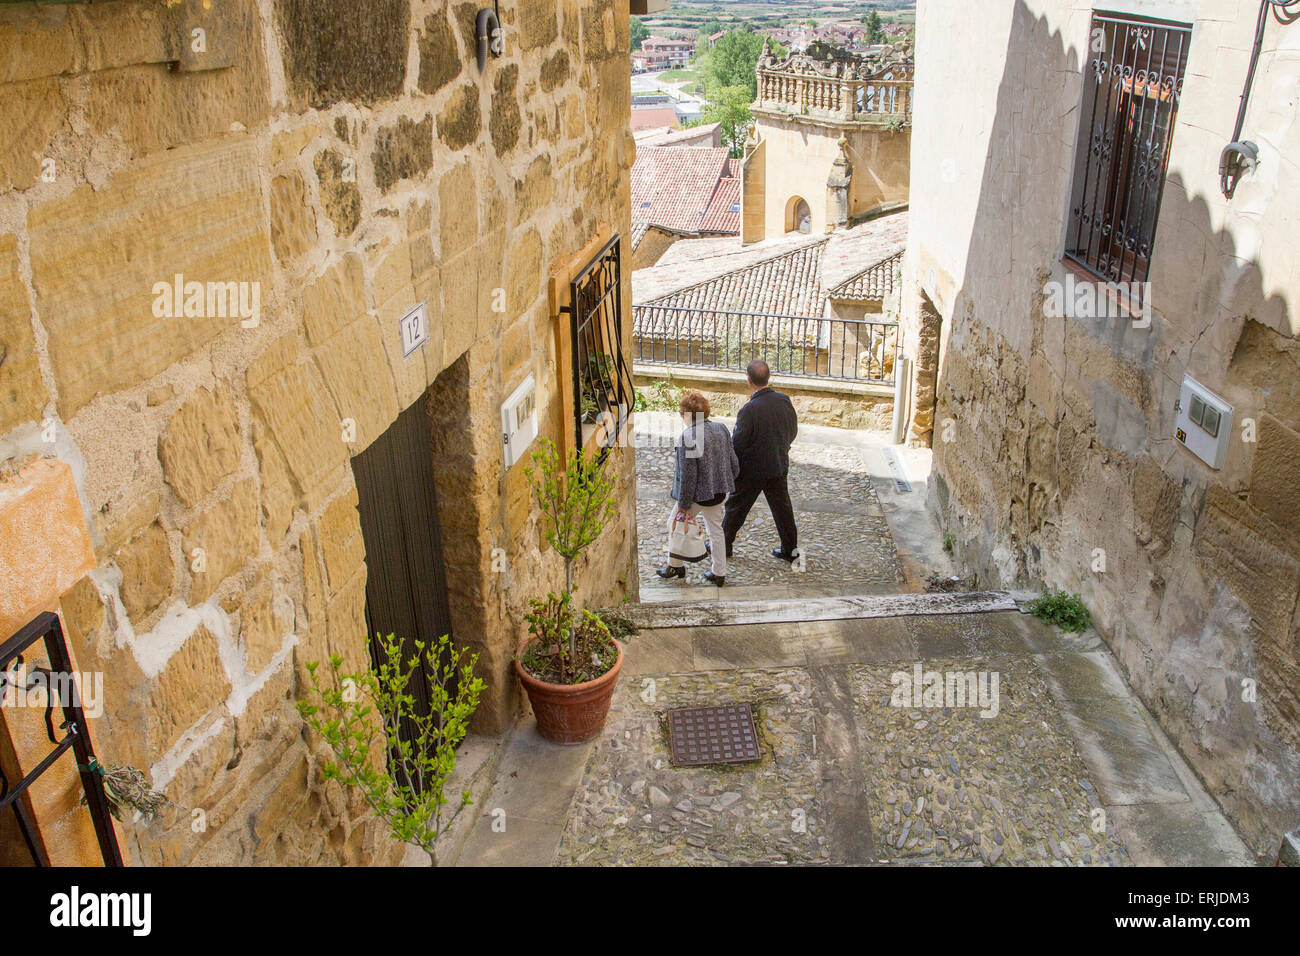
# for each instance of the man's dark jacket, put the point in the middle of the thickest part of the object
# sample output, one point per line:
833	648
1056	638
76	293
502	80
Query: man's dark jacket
766	425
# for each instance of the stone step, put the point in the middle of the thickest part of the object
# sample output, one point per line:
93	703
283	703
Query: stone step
784	610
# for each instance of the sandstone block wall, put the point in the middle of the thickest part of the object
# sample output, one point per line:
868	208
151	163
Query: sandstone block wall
335	164
1055	461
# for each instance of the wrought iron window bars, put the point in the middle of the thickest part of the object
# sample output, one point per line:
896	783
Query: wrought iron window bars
1132	86
77	738
602	380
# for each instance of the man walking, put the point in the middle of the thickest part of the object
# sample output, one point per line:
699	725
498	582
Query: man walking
765	428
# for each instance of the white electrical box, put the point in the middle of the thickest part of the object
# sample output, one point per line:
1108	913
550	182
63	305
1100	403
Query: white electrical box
519	420
1204	423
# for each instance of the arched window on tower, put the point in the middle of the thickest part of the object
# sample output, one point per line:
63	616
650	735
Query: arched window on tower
798	216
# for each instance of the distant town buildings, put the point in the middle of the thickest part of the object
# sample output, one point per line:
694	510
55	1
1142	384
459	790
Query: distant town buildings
662	53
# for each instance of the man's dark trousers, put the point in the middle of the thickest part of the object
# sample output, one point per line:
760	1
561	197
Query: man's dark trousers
777	493
766	426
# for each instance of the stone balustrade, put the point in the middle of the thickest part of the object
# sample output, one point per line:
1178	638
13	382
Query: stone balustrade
835	85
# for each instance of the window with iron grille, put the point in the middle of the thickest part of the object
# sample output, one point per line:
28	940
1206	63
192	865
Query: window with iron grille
602	381
1131	88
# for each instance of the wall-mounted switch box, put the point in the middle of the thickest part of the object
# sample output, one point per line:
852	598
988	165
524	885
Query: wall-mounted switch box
1204	423
519	420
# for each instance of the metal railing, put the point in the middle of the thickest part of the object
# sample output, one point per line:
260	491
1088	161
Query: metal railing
851	350
57	679
602	382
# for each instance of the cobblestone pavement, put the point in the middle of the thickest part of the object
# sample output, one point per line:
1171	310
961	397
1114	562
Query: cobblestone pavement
846	776
953	785
1069	770
843	533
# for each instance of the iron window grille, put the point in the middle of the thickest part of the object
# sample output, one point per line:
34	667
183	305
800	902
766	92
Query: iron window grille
76	739
602	380
1131	90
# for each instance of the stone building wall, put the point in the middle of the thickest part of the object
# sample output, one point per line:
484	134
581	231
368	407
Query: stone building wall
1053	437
346	163
799	156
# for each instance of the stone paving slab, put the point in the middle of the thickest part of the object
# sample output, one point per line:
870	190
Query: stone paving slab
634	808
954	784
841	556
767	610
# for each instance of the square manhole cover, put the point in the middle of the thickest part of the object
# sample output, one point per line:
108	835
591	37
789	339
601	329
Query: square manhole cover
721	734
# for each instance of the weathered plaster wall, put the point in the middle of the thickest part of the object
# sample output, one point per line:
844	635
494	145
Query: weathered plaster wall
653	245
1053	437
352	162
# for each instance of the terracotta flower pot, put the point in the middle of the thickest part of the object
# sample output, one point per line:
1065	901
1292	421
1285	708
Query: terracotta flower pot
571	713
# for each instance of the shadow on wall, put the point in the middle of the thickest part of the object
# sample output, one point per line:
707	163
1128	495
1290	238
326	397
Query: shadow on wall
1061	446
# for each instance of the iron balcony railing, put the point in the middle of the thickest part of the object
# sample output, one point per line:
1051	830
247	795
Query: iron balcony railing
851	350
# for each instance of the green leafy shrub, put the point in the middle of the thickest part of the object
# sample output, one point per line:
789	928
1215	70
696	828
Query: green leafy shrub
661	396
367	716
620	626
948	542
1066	611
566	648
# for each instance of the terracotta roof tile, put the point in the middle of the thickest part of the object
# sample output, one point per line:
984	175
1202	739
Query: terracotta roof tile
723	214
673	186
782	277
875	282
784	284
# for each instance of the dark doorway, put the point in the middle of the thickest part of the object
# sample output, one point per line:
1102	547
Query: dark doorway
406	587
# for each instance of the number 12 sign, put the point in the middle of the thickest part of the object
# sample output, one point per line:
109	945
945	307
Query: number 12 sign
415	329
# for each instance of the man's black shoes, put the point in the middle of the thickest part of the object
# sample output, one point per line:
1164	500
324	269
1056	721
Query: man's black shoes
714	579
780	553
671	572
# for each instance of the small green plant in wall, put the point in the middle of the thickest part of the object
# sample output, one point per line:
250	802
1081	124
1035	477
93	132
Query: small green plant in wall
1066	611
948	542
372	715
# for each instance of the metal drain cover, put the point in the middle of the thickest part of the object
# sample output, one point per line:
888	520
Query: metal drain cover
721	734
901	485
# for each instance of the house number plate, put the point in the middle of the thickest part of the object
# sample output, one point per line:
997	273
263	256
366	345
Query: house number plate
415	329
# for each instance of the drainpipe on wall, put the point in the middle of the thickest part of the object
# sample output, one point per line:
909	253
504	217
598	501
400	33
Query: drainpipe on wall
902	372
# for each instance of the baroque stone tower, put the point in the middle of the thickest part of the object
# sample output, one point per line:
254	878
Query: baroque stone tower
826	120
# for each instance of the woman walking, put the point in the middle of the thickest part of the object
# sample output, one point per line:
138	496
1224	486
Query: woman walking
705	474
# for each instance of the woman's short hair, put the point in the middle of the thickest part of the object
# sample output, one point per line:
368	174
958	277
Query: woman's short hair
694	404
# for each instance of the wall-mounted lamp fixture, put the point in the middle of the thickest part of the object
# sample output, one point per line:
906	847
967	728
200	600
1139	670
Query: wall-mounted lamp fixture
487	30
1240	157
1236	161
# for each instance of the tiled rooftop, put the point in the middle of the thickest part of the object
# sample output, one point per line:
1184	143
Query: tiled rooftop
707	135
723	214
675	186
794	275
875	283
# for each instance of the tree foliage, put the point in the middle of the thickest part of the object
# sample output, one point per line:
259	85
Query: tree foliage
875	32
733	61
367	716
728	106
639	32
